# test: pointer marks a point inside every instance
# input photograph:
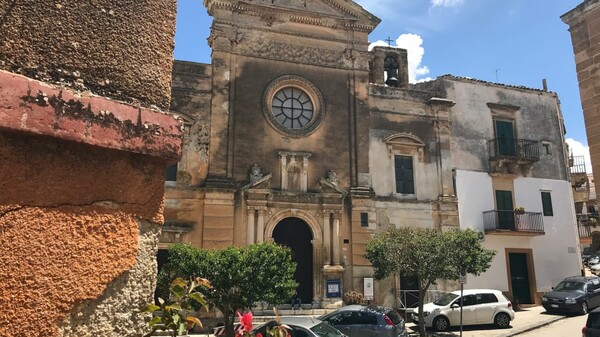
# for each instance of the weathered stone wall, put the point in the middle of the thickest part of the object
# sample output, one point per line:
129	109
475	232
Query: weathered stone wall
82	175
584	25
74	230
115	48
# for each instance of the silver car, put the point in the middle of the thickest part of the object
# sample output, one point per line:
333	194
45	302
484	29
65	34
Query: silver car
302	327
367	321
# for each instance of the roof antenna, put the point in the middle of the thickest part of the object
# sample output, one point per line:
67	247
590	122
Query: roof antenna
497	74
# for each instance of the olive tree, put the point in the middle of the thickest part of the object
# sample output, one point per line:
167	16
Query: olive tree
238	276
427	255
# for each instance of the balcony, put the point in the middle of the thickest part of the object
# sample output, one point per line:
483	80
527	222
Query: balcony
511	223
587	224
509	155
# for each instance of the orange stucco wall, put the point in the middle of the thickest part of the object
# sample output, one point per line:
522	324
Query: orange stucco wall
69	226
56	258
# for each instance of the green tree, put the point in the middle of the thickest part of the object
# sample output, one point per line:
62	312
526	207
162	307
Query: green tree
427	255
239	276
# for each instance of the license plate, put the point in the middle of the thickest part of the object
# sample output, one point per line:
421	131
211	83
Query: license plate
554	305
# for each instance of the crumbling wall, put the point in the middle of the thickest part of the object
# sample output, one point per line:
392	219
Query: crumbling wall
81	168
115	48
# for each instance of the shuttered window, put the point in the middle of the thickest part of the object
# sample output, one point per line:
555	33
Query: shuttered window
547	204
404	175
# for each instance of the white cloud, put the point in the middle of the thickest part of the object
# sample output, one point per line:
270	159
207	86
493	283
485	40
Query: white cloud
576	148
413	44
446	3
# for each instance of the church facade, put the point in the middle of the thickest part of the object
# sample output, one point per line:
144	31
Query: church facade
297	133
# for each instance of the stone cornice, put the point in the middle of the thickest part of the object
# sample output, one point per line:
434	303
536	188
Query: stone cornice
292	34
348	19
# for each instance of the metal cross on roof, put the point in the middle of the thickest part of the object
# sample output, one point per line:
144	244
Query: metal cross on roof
389	41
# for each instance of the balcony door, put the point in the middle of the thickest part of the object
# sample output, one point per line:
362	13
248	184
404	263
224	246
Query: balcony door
505	135
504	206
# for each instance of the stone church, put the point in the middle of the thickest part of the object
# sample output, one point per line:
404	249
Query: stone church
297	133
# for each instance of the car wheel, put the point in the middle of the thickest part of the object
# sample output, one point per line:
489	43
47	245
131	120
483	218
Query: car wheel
502	320
584	308
441	323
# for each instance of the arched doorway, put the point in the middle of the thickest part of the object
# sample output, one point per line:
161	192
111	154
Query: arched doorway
296	234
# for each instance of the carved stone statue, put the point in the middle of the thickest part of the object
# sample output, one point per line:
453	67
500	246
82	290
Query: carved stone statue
331	177
255	173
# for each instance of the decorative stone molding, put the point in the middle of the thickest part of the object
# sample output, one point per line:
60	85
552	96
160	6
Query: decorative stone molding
404	143
199	136
308	218
296	53
292	164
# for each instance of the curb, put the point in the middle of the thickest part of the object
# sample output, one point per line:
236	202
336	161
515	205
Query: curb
534	326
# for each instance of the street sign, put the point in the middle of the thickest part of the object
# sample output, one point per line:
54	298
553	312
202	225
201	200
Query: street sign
463	279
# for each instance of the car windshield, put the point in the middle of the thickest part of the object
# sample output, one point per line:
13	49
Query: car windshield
446	299
570	286
325	330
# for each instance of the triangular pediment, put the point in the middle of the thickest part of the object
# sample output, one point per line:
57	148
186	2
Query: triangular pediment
304	10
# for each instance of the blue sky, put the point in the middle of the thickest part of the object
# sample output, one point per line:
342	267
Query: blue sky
515	42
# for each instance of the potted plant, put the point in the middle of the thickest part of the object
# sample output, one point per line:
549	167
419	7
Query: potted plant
593	222
173	314
519	210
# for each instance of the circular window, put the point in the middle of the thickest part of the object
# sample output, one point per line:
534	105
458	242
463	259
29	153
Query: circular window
293	106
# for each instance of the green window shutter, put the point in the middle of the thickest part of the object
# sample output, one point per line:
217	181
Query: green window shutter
547	204
506	138
403	166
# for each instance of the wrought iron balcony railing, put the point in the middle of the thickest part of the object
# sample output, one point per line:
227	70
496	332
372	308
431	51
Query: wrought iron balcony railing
587	223
511	221
509	148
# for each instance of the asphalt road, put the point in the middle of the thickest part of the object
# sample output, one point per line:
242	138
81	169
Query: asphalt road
568	327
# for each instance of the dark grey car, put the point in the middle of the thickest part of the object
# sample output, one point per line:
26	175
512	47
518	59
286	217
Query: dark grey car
367	321
592	325
302	327
573	294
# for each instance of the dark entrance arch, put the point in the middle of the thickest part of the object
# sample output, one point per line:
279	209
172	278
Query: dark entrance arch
296	234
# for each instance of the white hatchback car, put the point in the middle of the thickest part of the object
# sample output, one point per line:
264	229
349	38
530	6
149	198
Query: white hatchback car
480	306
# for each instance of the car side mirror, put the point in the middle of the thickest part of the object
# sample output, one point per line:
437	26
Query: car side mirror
455	305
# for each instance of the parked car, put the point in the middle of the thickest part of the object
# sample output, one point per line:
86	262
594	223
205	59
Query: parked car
592	325
595	269
593	259
367	321
586	252
574	294
302	327
480	306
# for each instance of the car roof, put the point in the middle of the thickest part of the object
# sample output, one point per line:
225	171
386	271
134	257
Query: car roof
580	278
302	321
476	291
354	307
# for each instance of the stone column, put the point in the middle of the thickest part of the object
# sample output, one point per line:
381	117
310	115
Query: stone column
304	178
250	234
317	248
284	174
260	230
336	239
327	237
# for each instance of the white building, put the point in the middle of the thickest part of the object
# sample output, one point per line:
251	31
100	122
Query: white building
508	152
